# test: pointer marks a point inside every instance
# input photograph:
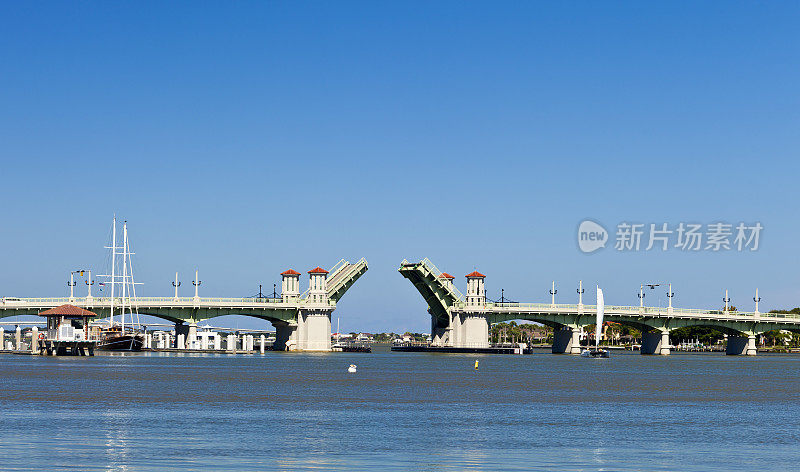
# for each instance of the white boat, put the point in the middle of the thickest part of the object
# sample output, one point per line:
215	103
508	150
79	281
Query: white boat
352	369
597	352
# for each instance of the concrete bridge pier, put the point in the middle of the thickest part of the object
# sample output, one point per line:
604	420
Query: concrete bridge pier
741	345
262	343
181	332
217	342
285	337
18	339
314	330
440	335
2	338
656	343
470	330
567	340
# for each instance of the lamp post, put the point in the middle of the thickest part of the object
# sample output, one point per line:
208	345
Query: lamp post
71	284
196	282
553	293
580	296
641	296
727	301
757	299
89	283
670	295
176	284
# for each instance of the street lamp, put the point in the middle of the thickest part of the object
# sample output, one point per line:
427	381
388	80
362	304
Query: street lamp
727	301
553	293
71	284
757	299
176	284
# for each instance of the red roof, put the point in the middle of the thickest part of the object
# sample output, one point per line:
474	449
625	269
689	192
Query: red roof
67	310
318	270
445	275
475	274
290	272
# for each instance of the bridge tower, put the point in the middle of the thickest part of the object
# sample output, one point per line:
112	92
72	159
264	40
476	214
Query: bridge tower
314	319
290	285
470	326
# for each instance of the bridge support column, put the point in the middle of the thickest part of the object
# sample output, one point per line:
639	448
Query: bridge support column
285	337
2	339
314	330
262	343
18	339
440	335
566	340
656	343
181	331
741	346
470	330
217	342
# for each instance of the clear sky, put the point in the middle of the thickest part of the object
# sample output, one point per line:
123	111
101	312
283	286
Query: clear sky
245	138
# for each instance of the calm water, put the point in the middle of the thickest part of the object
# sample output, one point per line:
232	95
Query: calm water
401	411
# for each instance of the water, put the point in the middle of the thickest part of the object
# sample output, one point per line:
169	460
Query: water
401	411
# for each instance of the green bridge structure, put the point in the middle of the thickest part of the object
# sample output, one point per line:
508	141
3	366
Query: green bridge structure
463	321
302	321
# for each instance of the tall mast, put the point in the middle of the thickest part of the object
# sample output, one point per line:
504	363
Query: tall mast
124	270
113	264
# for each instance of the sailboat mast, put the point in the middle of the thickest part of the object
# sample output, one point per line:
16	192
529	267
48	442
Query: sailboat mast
113	266
124	270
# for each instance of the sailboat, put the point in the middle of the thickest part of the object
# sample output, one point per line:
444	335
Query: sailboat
597	352
122	337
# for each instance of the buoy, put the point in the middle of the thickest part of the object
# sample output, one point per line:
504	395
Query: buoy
352	369
476	364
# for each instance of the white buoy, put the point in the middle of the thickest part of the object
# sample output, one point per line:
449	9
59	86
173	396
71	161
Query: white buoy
352	369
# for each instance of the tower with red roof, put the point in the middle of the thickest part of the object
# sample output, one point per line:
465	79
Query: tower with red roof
476	292
290	285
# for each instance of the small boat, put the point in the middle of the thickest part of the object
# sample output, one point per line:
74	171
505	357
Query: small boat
352	369
597	352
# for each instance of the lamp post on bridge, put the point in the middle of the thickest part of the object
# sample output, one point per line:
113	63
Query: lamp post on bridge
71	284
641	296
553	293
196	282
176	284
670	295
757	299
727	301
580	296
89	283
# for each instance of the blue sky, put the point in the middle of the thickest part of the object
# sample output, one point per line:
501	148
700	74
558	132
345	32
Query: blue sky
246	138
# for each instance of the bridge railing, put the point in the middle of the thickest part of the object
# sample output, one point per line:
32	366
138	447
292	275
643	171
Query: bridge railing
136	301
611	309
438	275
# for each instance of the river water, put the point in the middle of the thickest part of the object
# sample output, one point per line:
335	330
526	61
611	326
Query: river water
400	411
